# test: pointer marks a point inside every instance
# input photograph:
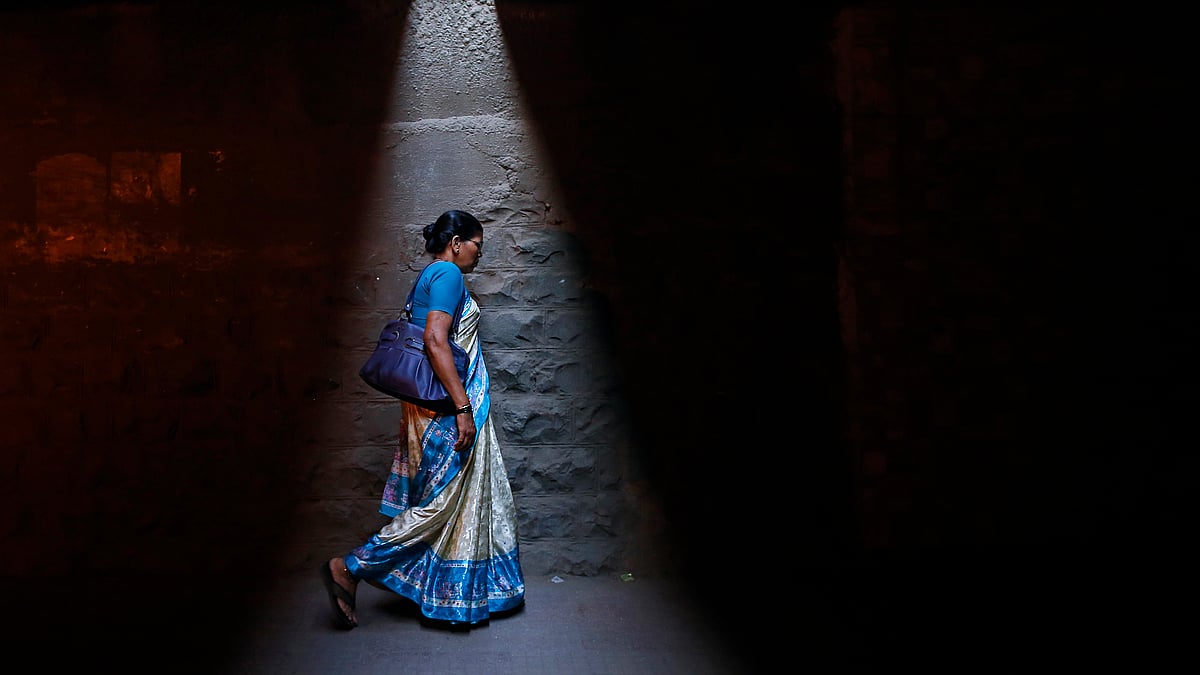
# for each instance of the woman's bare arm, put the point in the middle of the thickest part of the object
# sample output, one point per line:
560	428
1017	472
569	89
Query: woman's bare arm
437	346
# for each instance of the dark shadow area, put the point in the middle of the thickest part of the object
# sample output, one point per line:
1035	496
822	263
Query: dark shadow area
1021	362
1036	473
699	154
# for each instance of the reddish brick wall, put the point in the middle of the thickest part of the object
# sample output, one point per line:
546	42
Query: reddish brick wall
167	278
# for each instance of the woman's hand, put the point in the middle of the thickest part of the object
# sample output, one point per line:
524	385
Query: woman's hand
466	431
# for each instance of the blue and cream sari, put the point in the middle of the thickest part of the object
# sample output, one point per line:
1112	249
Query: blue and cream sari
452	544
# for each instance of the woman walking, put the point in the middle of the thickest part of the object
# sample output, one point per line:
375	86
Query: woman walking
451	546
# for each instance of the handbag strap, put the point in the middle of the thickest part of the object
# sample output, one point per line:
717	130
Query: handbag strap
457	312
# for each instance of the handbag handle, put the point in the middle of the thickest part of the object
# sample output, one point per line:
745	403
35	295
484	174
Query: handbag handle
457	312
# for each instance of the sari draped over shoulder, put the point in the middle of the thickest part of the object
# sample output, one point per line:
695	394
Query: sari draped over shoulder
451	546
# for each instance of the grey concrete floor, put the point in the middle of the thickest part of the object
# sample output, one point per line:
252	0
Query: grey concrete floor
874	619
569	624
246	624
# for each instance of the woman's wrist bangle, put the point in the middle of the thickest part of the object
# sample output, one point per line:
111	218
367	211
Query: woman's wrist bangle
465	409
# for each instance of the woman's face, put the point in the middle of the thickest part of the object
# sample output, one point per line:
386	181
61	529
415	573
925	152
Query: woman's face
471	253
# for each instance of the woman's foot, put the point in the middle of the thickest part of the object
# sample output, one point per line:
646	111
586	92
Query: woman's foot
342	587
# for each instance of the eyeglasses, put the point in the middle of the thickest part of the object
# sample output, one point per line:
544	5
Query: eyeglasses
478	245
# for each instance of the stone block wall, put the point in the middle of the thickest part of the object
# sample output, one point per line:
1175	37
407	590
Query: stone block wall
557	405
828	288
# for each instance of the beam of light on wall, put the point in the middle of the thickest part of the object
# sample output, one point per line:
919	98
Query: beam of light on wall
453	136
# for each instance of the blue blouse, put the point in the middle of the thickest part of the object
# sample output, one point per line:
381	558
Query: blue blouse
441	287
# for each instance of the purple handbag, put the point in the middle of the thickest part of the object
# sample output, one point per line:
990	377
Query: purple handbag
400	368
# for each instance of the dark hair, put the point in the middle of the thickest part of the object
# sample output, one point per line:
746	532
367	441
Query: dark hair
448	225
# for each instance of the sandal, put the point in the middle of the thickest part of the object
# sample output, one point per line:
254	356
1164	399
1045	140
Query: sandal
337	592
